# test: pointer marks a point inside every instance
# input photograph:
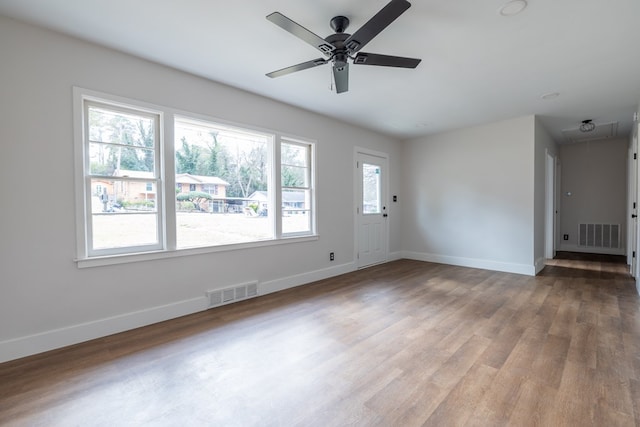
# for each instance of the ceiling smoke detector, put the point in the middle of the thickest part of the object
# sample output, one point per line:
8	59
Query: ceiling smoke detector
512	8
550	95
587	126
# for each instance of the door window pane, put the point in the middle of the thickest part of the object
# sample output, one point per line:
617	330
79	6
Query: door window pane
371	203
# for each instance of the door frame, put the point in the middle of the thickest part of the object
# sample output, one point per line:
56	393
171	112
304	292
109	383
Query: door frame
636	137
550	206
633	225
557	217
356	202
632	231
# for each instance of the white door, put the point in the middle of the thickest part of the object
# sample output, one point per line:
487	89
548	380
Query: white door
371	210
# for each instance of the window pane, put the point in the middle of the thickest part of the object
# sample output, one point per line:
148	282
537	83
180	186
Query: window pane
294	165
123	213
296	222
294	154
296	207
115	160
294	176
120	128
370	189
222	192
116	230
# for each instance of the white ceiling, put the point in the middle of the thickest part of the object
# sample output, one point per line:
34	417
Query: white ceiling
477	66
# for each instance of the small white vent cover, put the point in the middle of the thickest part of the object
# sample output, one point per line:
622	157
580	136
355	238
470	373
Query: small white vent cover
602	131
252	289
215	298
228	295
599	235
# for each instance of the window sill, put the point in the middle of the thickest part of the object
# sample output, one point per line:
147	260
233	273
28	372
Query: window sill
149	256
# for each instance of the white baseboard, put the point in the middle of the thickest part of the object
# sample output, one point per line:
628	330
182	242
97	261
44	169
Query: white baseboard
394	256
58	338
529	270
303	278
575	248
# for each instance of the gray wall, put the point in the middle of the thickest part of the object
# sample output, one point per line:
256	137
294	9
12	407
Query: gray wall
595	173
46	300
469	197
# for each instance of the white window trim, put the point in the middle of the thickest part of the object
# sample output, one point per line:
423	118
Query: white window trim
311	182
157	116
165	162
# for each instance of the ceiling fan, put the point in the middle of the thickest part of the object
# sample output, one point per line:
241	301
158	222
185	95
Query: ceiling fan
338	48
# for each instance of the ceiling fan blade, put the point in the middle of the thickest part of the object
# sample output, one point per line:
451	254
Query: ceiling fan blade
302	33
375	25
363	58
298	67
341	77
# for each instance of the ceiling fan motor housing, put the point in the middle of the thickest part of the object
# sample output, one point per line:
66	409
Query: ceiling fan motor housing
340	55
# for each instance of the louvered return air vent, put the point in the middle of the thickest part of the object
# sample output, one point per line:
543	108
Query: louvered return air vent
601	131
599	235
229	295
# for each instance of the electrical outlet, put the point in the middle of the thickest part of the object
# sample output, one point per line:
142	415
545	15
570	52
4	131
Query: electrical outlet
565	237
332	256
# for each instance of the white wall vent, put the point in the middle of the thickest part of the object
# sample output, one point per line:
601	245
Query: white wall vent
599	235
228	295
252	289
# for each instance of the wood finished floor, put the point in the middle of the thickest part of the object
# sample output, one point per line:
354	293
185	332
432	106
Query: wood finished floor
402	344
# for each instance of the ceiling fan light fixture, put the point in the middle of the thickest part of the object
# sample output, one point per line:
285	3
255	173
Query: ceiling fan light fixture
587	126
513	7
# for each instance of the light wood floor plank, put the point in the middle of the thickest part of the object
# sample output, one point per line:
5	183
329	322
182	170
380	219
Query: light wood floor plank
406	343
